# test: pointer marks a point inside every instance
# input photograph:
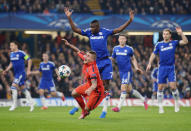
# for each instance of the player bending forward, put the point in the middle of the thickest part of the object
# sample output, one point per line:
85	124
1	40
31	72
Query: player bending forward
93	86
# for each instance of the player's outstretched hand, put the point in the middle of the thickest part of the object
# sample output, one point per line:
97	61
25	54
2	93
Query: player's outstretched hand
68	12
66	42
131	14
138	70
148	67
179	30
4	72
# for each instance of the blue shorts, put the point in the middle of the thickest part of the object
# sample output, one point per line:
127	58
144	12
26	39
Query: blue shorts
47	85
19	78
105	68
126	77
166	73
155	87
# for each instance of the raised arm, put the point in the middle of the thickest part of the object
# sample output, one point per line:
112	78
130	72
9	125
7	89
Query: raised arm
184	40
122	27
135	64
8	68
152	57
70	45
73	26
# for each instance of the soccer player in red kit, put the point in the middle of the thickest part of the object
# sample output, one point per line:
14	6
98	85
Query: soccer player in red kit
93	85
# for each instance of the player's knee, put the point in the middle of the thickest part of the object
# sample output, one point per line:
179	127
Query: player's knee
53	93
74	93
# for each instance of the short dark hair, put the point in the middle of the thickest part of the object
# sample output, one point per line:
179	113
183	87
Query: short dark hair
95	21
123	35
167	29
16	43
93	53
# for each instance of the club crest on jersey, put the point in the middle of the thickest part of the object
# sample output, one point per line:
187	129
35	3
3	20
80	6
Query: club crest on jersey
16	57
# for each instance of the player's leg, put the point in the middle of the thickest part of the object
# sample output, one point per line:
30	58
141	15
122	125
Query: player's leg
106	75
154	94
54	92
122	98
172	83
162	80
137	95
42	98
14	91
77	94
25	91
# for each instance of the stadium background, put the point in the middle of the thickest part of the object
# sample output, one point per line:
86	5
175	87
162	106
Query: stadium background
39	26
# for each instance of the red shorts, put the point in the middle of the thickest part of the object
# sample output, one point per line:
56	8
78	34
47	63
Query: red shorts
95	98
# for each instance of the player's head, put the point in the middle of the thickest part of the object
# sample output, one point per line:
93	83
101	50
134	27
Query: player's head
14	45
45	57
122	39
90	56
94	25
166	34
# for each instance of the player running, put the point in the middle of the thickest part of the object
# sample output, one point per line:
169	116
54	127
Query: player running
166	70
124	55
47	82
98	41
93	85
17	58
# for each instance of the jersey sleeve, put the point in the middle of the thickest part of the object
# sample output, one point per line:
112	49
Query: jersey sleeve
40	69
81	55
176	42
53	66
131	52
113	53
25	56
91	72
86	32
108	31
156	49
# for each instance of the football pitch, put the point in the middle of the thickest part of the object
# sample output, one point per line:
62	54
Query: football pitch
129	119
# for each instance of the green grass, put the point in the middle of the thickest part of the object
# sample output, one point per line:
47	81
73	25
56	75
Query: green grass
129	119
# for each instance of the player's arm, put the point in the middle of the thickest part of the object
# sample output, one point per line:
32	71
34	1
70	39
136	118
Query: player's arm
152	57
92	87
184	40
35	72
73	26
57	73
135	64
112	59
122	27
8	68
29	66
71	46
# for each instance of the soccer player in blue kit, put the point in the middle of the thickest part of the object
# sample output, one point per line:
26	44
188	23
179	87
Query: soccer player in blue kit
47	82
166	70
17	58
98	41
124	55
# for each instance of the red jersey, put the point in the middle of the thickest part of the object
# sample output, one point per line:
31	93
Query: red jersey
90	71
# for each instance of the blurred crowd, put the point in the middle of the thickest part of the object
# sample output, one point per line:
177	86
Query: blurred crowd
146	6
107	6
60	54
42	6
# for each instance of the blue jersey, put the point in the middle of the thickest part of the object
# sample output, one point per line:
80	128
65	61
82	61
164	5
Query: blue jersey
154	73
18	61
47	70
166	52
98	41
123	55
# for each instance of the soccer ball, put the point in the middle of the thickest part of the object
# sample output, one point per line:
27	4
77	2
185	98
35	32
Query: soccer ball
64	71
